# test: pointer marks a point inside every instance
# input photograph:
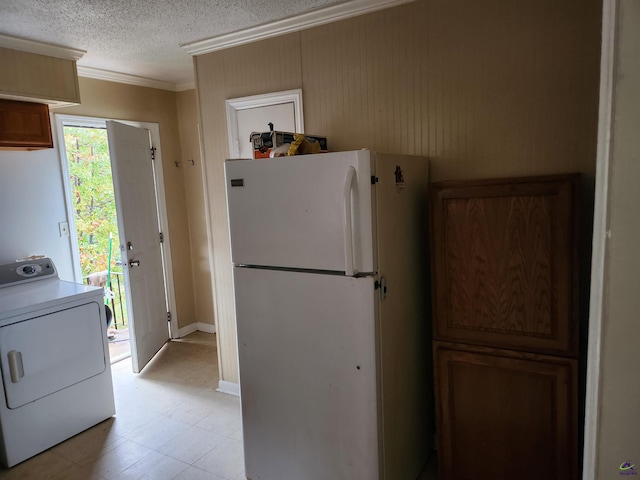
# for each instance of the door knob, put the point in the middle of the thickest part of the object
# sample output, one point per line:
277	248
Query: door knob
134	263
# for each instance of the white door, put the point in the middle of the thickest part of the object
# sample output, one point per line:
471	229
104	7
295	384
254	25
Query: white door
135	192
306	351
305	212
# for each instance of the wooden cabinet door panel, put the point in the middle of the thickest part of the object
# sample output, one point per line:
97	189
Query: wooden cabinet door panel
505	263
24	125
504	414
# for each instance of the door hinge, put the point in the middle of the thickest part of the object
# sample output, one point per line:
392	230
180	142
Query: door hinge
153	153
374	179
382	286
161	237
168	316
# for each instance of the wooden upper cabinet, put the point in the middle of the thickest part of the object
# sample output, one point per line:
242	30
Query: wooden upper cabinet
24	125
504	259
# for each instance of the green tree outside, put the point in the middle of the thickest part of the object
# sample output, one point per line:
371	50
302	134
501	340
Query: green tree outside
93	197
94	210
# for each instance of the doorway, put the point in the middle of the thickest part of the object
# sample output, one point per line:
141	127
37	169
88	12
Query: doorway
97	146
96	226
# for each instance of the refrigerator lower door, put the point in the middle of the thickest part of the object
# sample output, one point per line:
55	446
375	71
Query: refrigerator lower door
307	375
305	212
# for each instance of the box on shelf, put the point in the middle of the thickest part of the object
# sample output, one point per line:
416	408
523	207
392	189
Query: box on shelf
265	142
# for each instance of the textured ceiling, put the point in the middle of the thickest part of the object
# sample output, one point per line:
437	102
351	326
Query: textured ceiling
137	37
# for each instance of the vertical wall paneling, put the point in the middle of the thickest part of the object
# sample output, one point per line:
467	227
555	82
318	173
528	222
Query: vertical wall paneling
268	66
194	196
484	89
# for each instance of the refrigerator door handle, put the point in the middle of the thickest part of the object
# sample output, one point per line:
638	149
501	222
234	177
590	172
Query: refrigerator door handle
349	182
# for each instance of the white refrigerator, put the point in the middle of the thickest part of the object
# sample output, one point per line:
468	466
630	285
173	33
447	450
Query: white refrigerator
331	278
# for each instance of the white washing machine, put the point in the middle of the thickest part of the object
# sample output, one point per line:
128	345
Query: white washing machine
54	356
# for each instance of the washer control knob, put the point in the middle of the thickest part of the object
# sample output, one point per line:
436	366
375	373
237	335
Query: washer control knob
29	269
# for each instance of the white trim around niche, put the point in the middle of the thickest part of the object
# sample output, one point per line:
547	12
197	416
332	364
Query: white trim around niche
233	105
295	23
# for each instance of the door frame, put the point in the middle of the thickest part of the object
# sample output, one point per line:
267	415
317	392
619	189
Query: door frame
62	120
233	105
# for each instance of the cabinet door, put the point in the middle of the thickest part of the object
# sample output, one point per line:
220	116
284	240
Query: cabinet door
505	263
24	125
504	414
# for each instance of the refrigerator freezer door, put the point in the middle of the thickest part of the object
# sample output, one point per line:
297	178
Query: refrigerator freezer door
304	212
307	375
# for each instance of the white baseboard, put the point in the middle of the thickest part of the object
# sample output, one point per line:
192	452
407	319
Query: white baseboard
184	331
229	388
196	326
207	327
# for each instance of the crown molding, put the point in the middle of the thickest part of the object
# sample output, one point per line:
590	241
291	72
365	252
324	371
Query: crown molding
311	19
31	46
181	87
108	75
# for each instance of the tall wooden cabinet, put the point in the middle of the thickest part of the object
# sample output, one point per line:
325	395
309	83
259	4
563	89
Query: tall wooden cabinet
505	283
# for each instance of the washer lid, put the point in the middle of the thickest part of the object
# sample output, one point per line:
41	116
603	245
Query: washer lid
33	296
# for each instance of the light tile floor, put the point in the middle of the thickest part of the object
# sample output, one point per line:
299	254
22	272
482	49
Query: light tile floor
170	423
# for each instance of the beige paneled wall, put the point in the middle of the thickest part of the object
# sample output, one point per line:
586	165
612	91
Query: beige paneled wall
483	88
128	102
268	66
491	88
192	172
